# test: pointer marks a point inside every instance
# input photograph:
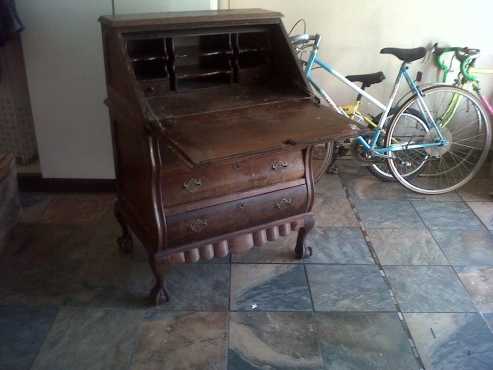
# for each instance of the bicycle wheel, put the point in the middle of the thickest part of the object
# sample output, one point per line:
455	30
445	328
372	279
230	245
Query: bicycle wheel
322	158
380	169
461	120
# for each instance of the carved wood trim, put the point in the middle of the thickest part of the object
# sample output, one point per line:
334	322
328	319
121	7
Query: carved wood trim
309	178
157	194
300	219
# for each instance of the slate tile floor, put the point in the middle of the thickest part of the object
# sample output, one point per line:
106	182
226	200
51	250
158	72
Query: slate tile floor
397	281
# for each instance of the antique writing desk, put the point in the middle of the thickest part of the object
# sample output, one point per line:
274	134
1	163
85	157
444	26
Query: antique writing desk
213	124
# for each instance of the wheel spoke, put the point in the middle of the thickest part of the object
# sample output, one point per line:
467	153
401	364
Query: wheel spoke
438	169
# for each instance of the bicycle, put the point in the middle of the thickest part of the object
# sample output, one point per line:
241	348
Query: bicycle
468	73
423	144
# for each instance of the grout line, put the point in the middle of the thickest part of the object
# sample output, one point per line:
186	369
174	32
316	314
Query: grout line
466	290
136	337
351	264
452	267
379	265
151	311
228	314
430	232
475	215
229	285
309	287
58	309
323	312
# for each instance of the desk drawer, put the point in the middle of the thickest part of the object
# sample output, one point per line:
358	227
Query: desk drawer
186	185
232	216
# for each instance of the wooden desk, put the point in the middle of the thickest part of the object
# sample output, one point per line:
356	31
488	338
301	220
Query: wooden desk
213	126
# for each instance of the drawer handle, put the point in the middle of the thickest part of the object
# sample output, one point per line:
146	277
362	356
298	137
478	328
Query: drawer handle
192	185
279	165
198	225
284	203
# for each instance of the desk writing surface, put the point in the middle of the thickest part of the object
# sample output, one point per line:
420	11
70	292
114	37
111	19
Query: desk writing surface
248	131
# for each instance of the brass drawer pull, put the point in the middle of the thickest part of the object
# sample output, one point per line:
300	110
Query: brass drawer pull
192	185
198	225
279	165
284	203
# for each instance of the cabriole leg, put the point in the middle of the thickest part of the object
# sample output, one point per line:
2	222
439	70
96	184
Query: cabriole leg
301	250
125	242
159	294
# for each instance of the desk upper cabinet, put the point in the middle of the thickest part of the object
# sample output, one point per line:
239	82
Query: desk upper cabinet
213	125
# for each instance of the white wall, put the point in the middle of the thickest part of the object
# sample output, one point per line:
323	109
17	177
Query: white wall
64	62
63	53
133	6
354	31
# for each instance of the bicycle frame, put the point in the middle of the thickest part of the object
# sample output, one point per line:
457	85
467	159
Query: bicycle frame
475	86
371	145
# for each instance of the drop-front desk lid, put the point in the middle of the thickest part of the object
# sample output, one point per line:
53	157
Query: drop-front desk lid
229	134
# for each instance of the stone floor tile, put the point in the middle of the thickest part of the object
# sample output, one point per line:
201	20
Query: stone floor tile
447	215
181	341
41	264
486	170
330	185
338	245
33	206
90	339
77	208
269	288
428	289
477	190
406	247
192	287
274	341
452	341
72	259
478	281
24	328
350	167
388	214
333	211
466	247
348	288
484	210
371	188
370	341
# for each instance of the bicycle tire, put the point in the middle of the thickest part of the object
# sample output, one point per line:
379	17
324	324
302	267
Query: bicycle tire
437	176
322	157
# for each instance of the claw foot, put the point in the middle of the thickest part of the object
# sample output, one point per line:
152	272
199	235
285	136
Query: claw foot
159	295
303	252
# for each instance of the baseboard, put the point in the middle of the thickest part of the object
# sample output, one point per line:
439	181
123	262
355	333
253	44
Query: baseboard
36	183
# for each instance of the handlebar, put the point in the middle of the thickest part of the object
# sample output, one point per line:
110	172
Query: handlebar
456	49
465	55
305	38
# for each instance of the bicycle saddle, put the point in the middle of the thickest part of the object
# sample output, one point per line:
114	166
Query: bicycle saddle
406	55
367	79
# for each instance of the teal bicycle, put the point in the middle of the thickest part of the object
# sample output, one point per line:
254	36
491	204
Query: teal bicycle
432	143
